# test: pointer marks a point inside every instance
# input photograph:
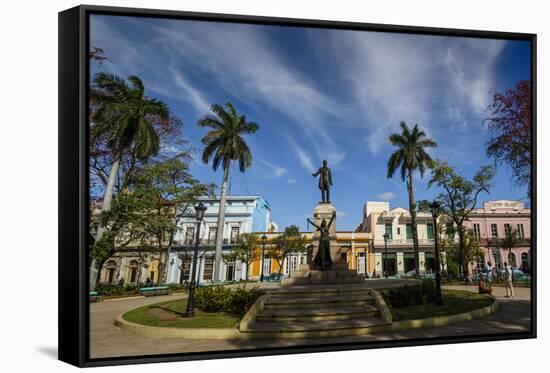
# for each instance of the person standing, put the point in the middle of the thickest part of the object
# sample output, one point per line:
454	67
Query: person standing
508	281
489	271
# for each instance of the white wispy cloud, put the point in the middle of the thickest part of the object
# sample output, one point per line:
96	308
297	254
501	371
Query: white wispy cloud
246	63
291	181
397	77
274	170
386	196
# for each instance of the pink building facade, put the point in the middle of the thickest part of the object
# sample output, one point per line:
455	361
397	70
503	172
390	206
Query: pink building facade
490	225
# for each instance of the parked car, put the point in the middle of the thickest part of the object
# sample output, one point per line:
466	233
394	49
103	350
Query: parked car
515	272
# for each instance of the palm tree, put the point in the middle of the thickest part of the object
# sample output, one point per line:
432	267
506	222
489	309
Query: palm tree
224	143
410	156
123	116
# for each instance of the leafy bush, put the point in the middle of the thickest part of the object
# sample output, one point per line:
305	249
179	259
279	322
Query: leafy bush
109	289
176	286
410	295
224	299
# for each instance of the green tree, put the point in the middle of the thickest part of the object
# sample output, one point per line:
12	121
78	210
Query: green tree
246	252
410	156
165	193
458	199
224	143
125	119
289	242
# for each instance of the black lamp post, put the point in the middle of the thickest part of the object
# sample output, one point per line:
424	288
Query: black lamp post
386	236
264	238
199	215
435	213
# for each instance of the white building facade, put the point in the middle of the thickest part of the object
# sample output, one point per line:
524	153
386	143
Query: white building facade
380	219
243	214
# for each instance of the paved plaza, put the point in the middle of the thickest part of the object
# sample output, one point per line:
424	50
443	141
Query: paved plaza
107	340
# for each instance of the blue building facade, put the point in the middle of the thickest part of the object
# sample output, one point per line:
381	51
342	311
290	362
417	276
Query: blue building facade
243	214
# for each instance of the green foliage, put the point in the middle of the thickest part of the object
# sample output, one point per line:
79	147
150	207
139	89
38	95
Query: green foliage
457	201
109	289
452	266
224	143
411	151
225	299
410	295
123	115
287	243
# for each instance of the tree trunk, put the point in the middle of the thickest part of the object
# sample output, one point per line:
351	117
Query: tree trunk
246	276
106	206
461	249
219	229
412	207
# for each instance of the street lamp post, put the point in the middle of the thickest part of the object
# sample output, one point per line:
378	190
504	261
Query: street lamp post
264	238
386	236
435	213
199	214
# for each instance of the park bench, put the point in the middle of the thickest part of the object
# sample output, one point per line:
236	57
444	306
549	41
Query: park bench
94	296
524	280
271	278
154	290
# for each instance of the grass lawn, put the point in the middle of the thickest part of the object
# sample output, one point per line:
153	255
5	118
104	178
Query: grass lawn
455	301
171	314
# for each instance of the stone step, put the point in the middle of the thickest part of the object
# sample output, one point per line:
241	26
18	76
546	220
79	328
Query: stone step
301	293
313	329
320	301
318	314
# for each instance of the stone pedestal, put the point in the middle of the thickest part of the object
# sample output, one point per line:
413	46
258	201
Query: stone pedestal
309	274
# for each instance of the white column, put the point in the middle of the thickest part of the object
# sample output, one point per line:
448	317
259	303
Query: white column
422	260
378	263
400	263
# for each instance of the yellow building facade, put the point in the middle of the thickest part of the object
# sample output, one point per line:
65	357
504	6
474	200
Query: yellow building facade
356	252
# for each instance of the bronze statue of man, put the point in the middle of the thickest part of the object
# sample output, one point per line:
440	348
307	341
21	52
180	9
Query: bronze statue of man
325	181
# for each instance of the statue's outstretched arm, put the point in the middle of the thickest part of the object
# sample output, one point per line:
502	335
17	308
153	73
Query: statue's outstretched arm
332	219
312	223
316	173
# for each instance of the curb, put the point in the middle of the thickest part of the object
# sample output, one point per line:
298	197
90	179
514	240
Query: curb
439	321
234	333
168	332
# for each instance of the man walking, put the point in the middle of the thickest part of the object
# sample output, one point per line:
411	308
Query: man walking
508	281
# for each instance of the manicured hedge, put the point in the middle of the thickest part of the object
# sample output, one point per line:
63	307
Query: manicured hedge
410	295
108	289
225	299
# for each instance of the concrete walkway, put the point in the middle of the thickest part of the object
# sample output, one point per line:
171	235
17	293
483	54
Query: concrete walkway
109	341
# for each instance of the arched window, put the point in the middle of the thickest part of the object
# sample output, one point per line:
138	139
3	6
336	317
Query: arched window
525	262
153	270
110	268
512	259
132	271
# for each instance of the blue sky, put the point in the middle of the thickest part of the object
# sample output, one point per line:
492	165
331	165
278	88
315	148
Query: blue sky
321	94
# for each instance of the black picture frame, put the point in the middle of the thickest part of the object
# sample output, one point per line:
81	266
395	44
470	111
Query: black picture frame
73	184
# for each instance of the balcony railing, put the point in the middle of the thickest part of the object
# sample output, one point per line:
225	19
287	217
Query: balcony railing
206	242
407	241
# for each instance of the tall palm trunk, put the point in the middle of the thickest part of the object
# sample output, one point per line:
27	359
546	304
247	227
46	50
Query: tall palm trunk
221	218
412	207
95	266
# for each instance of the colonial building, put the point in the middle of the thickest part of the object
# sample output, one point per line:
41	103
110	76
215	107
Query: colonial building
379	219
356	253
243	214
491	223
